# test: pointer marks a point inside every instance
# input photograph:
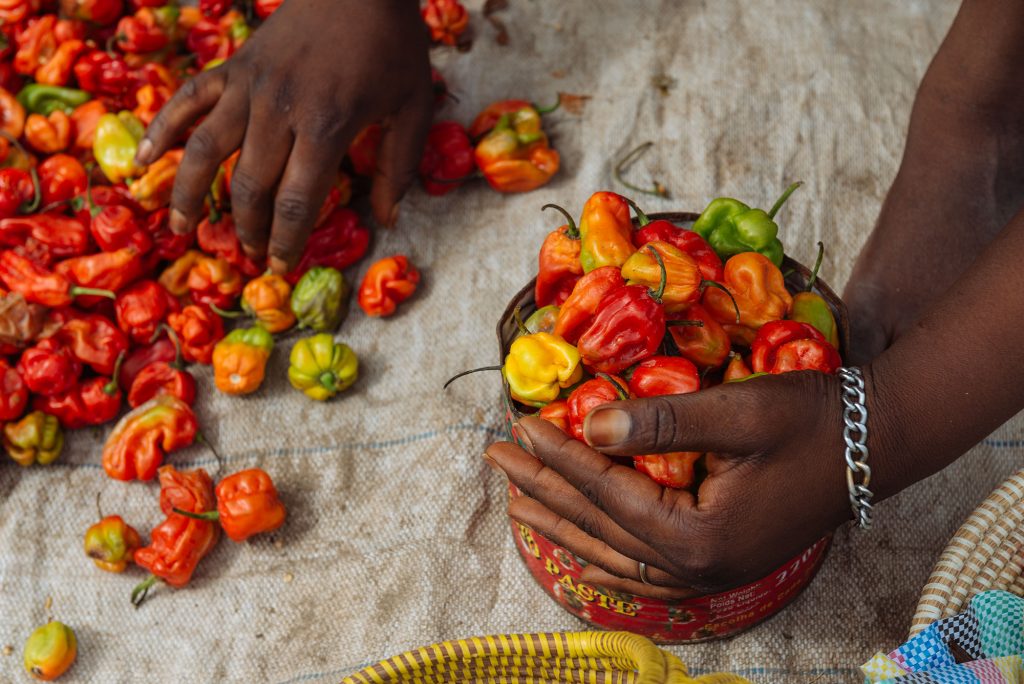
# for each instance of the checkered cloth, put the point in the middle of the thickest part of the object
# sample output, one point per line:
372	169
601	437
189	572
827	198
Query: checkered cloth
982	645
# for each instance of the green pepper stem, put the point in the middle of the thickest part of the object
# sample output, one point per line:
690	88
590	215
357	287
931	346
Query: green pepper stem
209	445
660	292
464	373
37	187
76	291
817	265
225	314
550	108
641	218
523	330
782	200
658	190
619	389
141	590
99	511
111	387
329	381
710	283
574	231
208	515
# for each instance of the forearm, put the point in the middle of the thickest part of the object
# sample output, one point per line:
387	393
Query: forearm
956	374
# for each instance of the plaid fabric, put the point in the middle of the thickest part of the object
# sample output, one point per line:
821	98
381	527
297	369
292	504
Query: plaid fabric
987	640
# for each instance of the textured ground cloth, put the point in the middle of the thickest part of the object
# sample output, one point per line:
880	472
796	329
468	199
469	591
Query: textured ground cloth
397	535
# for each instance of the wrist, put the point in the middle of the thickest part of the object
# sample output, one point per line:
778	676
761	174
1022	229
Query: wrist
890	457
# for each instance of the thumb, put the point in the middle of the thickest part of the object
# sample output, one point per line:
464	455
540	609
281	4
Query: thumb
733	418
398	160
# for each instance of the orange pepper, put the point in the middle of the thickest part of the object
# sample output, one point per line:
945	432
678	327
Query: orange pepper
175	277
682	274
268	299
13	11
387	283
12	114
111	543
515	156
48	134
240	360
148	101
606	232
135	448
83	121
759	289
50	651
247	504
57	69
152	190
214	281
36	43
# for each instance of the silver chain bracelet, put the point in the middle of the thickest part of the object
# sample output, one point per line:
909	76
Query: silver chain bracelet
855	434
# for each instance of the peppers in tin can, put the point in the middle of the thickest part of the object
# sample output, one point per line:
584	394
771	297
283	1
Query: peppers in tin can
320	367
319	299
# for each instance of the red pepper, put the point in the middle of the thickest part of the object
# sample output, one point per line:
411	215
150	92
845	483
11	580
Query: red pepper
219	239
99	12
578	310
136	446
57	69
101	196
247	504
685	240
214	281
115	227
784	346
49	368
64	236
61	177
13	393
340	242
362	151
217	39
106	76
446	19
13	11
387	283
590	395
16	191
140	357
488	118
37	284
92	402
214	9
95	341
167	246
111	271
264	8
629	327
556	413
558	264
159	378
142	307
706	345
447	157
142	32
199	330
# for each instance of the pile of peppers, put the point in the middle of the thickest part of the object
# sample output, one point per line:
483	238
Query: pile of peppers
627	307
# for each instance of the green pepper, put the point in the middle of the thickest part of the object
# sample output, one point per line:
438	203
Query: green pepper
36	438
542	320
811	308
46	99
321	367
319	299
117	140
731	227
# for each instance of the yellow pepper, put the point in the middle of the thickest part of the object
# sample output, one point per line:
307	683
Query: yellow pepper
115	143
539	366
50	650
152	190
267	299
321	367
111	543
36	438
240	360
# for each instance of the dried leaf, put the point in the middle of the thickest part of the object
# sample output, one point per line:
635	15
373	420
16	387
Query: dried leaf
20	322
501	37
573	104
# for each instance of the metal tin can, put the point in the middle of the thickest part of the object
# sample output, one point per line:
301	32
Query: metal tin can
688	620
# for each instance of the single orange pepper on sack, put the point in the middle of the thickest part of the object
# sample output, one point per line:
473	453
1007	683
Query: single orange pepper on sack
758	288
515	155
247	504
111	543
136	446
387	283
240	360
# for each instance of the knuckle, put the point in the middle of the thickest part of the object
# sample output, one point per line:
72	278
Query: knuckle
324	124
203	144
246	189
293	207
595	488
664	430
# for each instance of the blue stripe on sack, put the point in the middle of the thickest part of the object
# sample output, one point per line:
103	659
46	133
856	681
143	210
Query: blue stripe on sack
319	450
1004	443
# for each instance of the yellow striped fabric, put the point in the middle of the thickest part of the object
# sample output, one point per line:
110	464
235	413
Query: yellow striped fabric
577	657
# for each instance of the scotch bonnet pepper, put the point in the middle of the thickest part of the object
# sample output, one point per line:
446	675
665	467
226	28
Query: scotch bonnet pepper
732	227
682	239
36	438
41	286
115	144
319	299
558	264
247	504
199	330
341	241
387	283
266	299
49	367
240	360
447	158
135	448
699	337
578	311
683	282
91	402
758	290
13	392
539	366
49	651
95	341
515	156
605	232
811	308
321	367
784	346
588	396
111	543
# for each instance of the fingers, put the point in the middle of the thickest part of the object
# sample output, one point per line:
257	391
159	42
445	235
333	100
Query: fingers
196	97
398	159
595	575
311	169
212	142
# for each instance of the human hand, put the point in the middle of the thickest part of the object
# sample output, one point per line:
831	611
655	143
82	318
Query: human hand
292	99
776	483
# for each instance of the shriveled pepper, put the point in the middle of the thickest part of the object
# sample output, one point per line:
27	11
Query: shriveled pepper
140	357
48	134
701	338
267	299
685	240
247	504
152	190
214	281
161	377
539	366
111	543
515	156
49	367
578	311
387	283
199	330
109	271
49	651
558	264
220	239
446	19
61	177
240	360
447	158
115	144
95	341
167	246
588	396
57	70
683	282
174	278
811	308
13	392
178	543
341	241
136	446
22	323
319	299
12	114
39	98
556	413
362	151
142	307
105	75
64	236
784	346
115	227
36	438
91	402
606	232
99	12
17	190
732	227
758	290
319	367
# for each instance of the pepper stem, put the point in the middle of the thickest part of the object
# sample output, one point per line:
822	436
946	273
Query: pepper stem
641	218
141	590
455	181
329	381
76	291
111	387
658	190
519	322
550	108
619	389
475	370
694	324
657	294
574	231
208	515
93	209
225	314
710	283
817	265
37	187
782	200
99	511
209	445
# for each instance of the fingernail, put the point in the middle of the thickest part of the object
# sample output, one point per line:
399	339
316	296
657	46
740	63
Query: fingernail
177	222
393	218
493	464
253	253
278	266
522	437
607	427
143	153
